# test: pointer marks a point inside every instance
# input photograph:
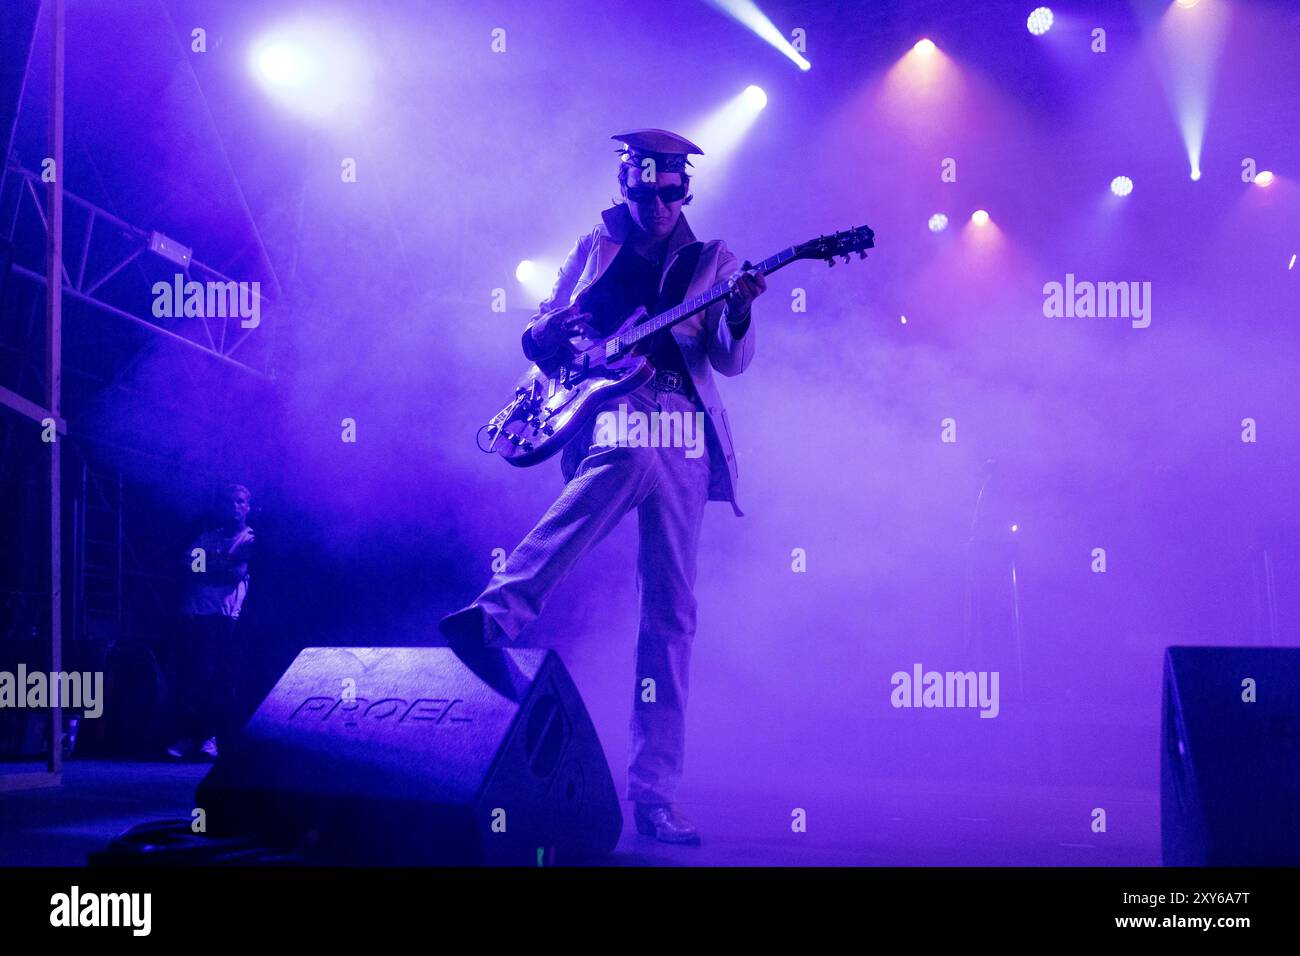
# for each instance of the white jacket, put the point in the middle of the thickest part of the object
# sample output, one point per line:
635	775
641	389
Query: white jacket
705	339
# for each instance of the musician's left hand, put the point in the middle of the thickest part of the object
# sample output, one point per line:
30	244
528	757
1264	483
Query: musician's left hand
746	287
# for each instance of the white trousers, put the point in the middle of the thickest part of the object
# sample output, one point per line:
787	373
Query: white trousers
668	489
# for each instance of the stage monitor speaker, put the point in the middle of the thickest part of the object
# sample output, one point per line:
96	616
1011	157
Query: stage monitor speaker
407	756
1230	760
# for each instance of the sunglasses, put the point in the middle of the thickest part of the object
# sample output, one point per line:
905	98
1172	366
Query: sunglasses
646	194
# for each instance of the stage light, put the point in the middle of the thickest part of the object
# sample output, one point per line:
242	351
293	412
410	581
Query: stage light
938	222
315	67
1040	21
723	130
1291	264
979	217
170	249
1187	4
1263	178
922	86
903	319
746	13
1015	528
536	275
1188	47
282	64
1121	186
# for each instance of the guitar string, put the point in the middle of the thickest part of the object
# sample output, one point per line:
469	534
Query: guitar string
707	297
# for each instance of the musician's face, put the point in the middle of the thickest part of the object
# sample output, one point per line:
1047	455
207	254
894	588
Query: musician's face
237	505
653	215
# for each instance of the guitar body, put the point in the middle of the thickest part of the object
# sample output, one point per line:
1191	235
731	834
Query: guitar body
556	401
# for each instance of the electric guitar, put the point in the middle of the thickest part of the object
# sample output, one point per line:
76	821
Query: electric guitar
559	397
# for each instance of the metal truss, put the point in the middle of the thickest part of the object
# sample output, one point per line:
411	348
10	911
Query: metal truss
218	337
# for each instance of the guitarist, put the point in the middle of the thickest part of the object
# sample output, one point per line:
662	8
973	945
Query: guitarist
642	254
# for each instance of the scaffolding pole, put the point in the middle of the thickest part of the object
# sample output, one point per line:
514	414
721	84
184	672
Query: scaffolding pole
54	372
53	773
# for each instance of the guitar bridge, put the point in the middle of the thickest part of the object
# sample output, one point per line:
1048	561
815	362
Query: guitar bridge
572	374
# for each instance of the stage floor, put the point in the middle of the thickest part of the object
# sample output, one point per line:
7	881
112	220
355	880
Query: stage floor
879	824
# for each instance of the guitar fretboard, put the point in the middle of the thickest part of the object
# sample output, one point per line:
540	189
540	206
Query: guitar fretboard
697	303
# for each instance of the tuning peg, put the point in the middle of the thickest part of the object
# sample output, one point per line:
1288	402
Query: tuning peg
831	262
862	254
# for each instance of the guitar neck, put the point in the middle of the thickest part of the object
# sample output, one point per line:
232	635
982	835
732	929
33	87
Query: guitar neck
699	303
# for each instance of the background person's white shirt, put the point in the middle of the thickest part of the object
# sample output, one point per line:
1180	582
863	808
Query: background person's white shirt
226	599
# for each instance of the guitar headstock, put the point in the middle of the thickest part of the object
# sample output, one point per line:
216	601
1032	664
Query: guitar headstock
843	243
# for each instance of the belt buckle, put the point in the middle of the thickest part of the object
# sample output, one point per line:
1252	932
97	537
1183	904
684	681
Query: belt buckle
668	381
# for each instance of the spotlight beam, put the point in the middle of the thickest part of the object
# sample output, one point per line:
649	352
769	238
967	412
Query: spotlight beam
725	128
747	14
1190	42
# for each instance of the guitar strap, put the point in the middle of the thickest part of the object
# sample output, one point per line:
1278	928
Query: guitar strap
679	278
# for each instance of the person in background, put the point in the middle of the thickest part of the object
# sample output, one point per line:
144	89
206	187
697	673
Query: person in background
205	660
